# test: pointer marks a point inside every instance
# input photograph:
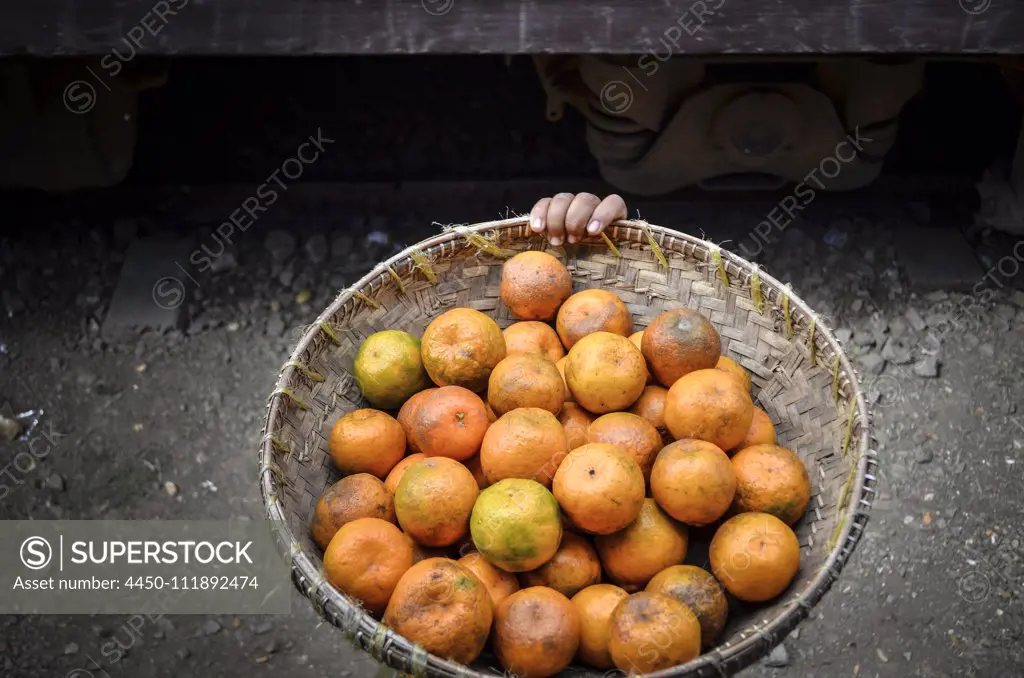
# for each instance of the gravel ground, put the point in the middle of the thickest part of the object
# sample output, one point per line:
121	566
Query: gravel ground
166	425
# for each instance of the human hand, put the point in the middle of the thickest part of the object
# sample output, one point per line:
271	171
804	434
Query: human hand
571	217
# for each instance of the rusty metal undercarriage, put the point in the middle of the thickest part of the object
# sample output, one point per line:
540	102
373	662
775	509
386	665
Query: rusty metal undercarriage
675	94
656	125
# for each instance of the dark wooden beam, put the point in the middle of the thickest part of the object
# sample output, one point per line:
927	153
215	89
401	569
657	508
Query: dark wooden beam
312	27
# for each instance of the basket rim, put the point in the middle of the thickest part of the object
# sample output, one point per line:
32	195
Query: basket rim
754	642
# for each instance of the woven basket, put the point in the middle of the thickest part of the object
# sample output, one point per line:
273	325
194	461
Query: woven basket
801	379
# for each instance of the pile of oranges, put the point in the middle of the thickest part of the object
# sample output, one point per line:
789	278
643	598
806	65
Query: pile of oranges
536	487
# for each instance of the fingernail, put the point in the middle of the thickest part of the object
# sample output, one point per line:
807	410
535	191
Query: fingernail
555	242
572	239
594	227
537	225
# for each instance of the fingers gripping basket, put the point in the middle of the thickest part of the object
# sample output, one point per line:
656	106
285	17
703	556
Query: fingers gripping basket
801	379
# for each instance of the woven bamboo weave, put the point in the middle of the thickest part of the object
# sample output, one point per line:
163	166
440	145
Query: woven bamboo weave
801	379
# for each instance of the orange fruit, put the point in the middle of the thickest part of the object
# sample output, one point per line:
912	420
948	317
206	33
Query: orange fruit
395	477
449	422
574	566
367	441
651	632
442	607
524	443
709	405
678	342
560	364
761	431
651	406
698	590
534	284
637	339
523	380
652	542
473	464
461	347
576	422
365	560
388	368
755	556
632	433
693	481
595	605
357	496
516	525
434	499
730	366
536	632
592	311
500	584
408	412
771	479
533	338
600	487
605	372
